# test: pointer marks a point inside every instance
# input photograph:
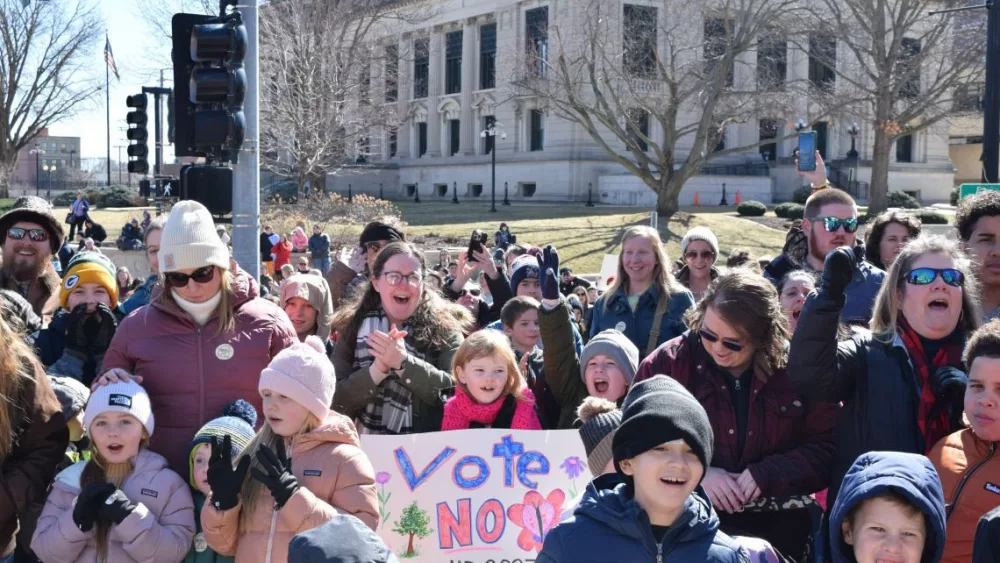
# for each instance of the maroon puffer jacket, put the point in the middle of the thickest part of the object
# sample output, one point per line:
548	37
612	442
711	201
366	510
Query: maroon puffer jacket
190	373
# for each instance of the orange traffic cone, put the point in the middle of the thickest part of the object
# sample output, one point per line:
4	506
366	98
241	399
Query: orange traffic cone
697	200
739	199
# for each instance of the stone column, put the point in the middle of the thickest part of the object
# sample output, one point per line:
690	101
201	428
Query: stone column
403	93
467	144
435	79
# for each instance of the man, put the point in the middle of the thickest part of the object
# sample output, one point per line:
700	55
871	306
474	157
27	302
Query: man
354	263
95	231
78	214
29	235
302	265
319	248
265	250
831	221
568	282
467	292
978	224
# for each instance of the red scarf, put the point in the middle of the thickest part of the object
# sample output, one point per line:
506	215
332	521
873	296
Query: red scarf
950	354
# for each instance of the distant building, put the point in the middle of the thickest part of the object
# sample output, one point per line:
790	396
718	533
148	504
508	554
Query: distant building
60	154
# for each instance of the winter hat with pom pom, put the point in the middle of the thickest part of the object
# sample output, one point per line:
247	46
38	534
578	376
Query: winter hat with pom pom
600	419
237	421
303	373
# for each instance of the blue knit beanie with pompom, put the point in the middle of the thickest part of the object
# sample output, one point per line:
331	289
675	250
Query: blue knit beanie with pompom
237	420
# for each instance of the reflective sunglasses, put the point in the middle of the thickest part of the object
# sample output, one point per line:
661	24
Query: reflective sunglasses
831	224
201	275
734	346
705	255
36	235
926	276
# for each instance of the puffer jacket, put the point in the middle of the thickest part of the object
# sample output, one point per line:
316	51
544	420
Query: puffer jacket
561	361
335	477
613	311
609	525
970	474
159	530
190	373
139	297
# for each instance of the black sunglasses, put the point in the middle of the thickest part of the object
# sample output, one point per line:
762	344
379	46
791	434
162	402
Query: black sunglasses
705	335
201	275
36	235
926	276
472	292
831	224
705	255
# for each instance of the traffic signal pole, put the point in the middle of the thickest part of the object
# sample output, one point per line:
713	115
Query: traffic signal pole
991	110
246	172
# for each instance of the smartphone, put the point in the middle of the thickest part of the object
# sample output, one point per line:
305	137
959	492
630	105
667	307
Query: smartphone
477	243
807	151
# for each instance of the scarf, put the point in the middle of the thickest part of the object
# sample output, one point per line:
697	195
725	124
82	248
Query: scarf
391	410
932	428
461	411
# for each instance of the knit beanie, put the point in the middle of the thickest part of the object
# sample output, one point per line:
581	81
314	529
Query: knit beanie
524	267
71	393
703	234
616	346
303	373
89	267
33	209
124	397
315	290
600	419
237	422
657	411
189	240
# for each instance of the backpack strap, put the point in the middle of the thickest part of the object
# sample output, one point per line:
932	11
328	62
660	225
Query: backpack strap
505	416
654	332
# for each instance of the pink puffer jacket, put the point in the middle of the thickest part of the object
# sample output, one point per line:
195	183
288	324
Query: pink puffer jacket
159	530
336	478
190	373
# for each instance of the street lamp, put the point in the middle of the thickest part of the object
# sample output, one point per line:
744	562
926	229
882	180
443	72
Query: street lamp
37	152
801	125
853	131
490	134
49	169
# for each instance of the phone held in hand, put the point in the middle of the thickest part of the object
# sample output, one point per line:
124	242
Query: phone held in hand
807	151
477	243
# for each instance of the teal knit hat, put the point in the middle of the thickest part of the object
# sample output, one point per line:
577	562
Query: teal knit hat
237	421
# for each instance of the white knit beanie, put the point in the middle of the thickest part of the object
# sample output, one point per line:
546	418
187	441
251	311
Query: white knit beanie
128	397
303	373
189	240
697	233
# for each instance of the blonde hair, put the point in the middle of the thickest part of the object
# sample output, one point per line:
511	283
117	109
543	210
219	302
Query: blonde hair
662	278
98	470
227	316
484	344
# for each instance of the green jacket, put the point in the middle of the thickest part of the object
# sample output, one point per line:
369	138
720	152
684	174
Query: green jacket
561	362
207	555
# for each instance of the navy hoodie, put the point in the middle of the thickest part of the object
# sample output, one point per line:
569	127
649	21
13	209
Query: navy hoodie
342	539
609	526
909	475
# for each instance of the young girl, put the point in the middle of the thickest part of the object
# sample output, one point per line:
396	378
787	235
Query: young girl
490	389
254	514
124	504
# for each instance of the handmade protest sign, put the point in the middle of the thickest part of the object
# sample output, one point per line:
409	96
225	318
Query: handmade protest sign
474	496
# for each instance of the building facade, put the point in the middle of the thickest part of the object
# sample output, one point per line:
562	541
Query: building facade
45	162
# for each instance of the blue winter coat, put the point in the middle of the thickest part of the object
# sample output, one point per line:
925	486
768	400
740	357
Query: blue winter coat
609	526
139	297
637	325
910	475
319	246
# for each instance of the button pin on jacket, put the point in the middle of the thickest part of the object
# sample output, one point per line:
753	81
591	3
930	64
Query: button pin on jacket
224	352
620	327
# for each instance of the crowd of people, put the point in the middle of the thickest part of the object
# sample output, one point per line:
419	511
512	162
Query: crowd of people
839	402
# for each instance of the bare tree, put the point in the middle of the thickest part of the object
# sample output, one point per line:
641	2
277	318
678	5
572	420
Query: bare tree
46	51
901	67
157	16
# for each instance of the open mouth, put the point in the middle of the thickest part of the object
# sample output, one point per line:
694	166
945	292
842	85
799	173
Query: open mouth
795	314
401	299
673	481
939	305
601	385
116	448
273	420
489	388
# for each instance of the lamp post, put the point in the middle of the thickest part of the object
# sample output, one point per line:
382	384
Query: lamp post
350	194
853	131
490	134
49	171
454	197
37	152
380	191
506	201
590	194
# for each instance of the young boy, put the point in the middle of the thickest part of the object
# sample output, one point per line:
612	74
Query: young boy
660	451
966	460
519	319
72	397
890	508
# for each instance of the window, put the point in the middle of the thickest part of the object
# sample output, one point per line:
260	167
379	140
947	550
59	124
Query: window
639	119
721	145
909	68
822	133
488	141
717	36
441	190
455	134
768	129
488	56
526	189
421	67
453	62
639	40
537	39
772	61
822	61
393	141
411	190
364	83
474	190
391	73
421	139
904	149
537	124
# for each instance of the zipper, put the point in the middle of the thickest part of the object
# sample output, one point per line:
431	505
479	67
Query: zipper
270	536
738	387
659	552
201	377
965	478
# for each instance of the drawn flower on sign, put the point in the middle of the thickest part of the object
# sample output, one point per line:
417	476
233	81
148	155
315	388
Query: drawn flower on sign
537	515
381	478
573	467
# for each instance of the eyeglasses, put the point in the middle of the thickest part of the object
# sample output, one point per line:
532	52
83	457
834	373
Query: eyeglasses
705	255
831	224
36	235
201	275
476	292
375	246
396	278
734	346
926	276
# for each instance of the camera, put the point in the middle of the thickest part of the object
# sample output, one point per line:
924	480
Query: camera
477	243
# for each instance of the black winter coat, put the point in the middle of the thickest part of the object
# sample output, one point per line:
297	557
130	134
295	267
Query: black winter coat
987	547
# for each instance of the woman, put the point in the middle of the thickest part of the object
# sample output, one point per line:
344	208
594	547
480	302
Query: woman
126	285
33	438
773	447
300	242
204	338
699	249
887	236
151	242
792	291
644	301
899	383
397	340
504	238
282	253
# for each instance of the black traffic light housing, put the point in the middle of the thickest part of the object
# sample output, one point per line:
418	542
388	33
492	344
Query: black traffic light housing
137	134
211	186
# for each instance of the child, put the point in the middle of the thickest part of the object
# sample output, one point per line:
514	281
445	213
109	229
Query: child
253	515
490	390
72	397
660	451
124	504
599	420
519	320
890	508
237	422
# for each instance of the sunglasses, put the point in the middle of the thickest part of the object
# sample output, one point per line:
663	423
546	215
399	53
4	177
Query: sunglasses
831	224
472	292
201	275
926	276
375	246
705	335
705	255
36	235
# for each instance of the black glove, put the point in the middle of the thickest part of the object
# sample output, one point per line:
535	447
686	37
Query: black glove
76	331
99	339
548	266
948	386
225	481
116	507
838	270
277	475
88	503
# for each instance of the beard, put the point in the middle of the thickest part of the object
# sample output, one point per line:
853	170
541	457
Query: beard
22	268
819	254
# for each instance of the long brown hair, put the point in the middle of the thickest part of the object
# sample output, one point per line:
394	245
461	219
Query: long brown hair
18	367
662	278
98	470
873	241
227	316
487	343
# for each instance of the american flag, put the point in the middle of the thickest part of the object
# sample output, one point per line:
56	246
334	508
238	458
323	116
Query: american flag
109	57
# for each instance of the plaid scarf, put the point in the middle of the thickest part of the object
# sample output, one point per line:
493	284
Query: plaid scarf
391	410
935	427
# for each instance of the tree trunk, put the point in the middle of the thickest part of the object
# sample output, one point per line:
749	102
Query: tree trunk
667	194
409	549
879	188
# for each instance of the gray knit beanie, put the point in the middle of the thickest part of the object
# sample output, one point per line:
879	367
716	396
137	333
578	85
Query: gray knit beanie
615	345
703	234
71	393
600	419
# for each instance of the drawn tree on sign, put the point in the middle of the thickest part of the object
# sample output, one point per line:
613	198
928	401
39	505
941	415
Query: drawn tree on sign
415	522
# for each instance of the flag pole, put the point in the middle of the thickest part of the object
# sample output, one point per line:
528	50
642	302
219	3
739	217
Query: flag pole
107	103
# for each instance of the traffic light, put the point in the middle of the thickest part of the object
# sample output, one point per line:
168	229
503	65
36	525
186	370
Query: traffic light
209	85
211	186
137	135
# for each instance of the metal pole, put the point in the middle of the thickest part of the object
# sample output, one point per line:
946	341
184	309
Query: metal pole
493	158
38	171
991	113
157	135
246	173
107	104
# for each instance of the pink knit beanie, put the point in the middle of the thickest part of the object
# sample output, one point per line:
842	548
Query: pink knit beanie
303	373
